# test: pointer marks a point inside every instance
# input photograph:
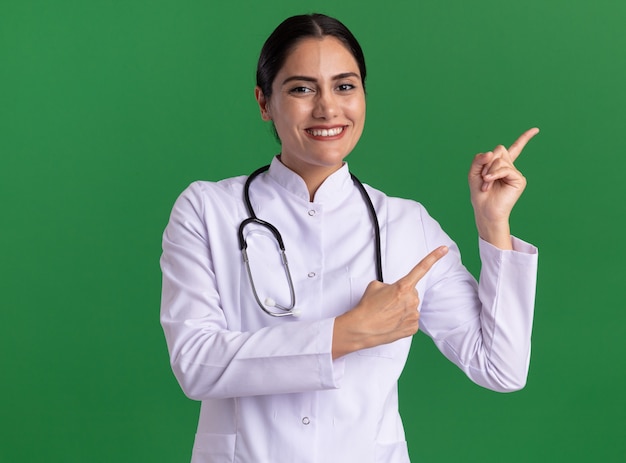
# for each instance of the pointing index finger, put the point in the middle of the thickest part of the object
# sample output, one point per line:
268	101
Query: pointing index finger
418	272
518	145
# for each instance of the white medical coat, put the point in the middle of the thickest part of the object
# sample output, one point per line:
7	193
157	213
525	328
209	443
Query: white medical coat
269	388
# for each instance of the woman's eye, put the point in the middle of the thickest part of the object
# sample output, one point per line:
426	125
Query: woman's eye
345	87
301	90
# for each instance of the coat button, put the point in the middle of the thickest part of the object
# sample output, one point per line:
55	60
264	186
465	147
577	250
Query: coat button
306	420
312	212
311	275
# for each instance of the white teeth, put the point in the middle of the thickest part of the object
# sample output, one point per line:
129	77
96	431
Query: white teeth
325	132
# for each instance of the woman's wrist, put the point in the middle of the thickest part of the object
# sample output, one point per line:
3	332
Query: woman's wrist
342	341
497	234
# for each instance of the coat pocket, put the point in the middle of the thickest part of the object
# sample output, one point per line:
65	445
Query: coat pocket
395	451
388	351
213	448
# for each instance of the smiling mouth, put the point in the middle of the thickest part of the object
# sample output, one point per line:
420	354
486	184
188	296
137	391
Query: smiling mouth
326	132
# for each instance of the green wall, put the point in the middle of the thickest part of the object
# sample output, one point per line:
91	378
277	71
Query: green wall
108	109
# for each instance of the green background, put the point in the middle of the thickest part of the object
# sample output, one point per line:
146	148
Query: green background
109	109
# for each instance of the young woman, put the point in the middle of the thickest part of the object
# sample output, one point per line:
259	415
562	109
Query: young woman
298	360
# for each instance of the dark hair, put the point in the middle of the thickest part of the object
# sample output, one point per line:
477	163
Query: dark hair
289	33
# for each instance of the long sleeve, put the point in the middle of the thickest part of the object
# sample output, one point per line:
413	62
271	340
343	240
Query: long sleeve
485	329
210	357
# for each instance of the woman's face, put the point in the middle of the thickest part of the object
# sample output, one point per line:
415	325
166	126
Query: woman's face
317	106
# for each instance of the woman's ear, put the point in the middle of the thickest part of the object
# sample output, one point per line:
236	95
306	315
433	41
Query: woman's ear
263	103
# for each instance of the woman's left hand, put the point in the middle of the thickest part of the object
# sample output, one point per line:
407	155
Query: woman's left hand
495	186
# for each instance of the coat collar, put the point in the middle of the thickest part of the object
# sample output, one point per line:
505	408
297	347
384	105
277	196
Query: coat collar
335	187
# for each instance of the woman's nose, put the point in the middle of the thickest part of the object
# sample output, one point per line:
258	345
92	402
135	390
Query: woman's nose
326	106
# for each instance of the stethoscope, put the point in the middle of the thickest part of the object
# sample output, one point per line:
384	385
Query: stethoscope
269	302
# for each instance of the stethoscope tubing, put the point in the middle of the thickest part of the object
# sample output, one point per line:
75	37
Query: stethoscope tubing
243	245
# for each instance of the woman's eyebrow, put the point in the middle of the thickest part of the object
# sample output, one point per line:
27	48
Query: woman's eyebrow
300	78
343	75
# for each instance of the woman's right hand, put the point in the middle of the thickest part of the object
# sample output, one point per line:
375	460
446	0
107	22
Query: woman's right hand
385	313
